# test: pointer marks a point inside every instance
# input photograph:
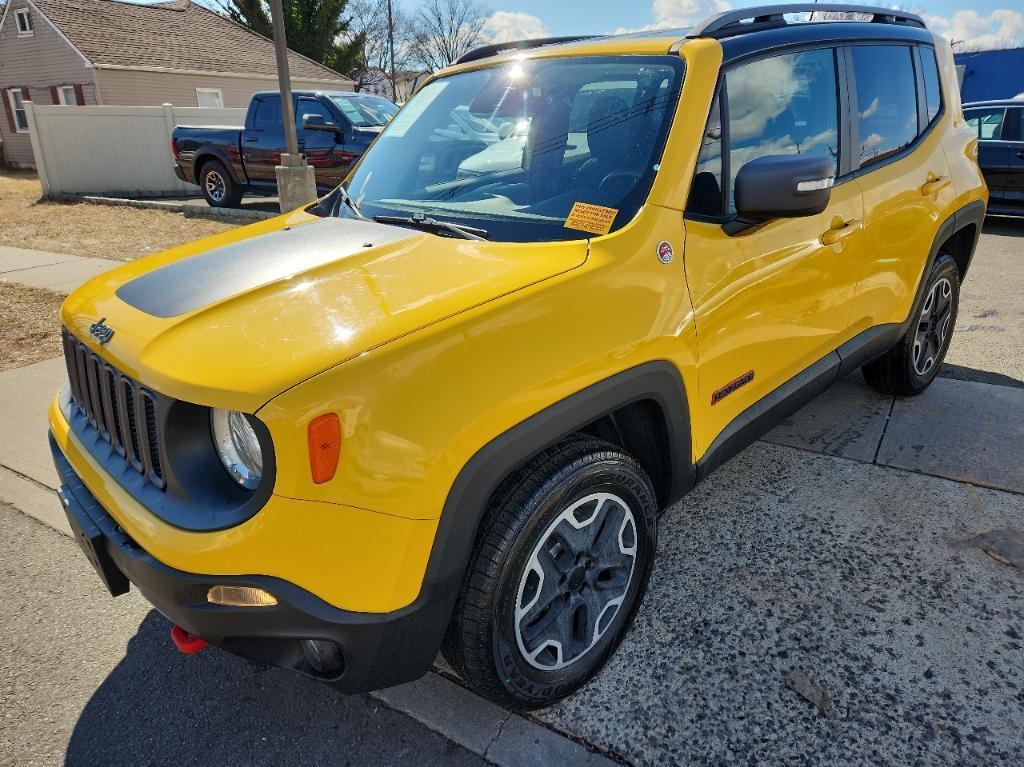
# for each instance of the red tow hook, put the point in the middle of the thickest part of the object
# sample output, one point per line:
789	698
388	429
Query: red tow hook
185	642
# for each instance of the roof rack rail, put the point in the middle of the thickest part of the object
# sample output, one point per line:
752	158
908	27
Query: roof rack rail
486	51
773	16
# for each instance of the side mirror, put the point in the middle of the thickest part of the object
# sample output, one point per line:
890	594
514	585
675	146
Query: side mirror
783	186
317	122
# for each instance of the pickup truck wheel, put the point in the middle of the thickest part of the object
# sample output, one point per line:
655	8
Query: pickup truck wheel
560	565
912	364
218	187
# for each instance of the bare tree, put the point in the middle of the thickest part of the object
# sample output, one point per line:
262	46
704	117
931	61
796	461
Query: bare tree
443	30
370	25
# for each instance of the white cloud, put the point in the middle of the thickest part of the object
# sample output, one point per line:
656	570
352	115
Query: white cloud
505	26
678	13
1002	27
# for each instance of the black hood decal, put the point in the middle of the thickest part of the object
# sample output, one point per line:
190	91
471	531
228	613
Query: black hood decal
207	278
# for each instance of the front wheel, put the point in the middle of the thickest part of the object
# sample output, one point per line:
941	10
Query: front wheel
563	559
912	364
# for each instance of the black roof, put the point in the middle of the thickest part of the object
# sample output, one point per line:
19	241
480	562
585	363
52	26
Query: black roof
748	30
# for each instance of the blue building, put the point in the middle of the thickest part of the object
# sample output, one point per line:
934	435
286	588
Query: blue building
986	75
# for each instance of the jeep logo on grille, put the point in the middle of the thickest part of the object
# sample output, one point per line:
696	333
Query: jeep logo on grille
101	331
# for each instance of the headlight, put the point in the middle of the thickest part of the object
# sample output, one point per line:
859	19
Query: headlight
237	446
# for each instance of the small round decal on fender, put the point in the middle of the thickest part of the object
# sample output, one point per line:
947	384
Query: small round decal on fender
665	252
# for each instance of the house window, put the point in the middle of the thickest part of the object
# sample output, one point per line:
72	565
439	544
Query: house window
24	18
66	95
209	97
18	110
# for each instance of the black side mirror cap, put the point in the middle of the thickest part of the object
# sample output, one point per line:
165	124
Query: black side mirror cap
317	122
784	186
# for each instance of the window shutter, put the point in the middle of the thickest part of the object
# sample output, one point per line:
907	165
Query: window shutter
25	95
54	98
79	96
5	96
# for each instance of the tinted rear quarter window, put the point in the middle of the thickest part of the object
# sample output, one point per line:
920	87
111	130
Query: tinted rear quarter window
886	100
932	91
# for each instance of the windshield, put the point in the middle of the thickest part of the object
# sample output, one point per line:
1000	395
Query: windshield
549	149
366	111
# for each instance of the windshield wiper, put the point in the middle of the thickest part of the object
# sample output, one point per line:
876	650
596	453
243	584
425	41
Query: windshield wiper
427	224
345	198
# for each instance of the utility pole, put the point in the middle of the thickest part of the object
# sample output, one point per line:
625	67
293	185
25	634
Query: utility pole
391	48
296	181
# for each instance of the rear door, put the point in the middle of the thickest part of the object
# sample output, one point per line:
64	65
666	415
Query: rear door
1013	137
993	152
898	123
263	140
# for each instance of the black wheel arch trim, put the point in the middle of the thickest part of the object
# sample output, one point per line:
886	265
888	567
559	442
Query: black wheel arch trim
466	503
207	152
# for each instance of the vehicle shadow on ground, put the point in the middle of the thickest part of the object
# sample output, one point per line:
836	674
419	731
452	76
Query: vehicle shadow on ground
160	707
962	373
1004	225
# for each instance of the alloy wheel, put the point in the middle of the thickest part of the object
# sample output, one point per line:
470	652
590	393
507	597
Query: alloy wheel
933	326
215	186
575	581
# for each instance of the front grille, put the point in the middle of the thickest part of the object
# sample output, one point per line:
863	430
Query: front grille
117	408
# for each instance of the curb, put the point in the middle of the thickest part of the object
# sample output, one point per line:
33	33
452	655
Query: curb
232	215
484	728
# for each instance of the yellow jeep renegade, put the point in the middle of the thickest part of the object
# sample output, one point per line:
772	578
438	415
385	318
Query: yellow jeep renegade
441	408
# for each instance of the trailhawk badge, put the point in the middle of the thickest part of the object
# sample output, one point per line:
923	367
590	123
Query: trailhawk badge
665	252
101	331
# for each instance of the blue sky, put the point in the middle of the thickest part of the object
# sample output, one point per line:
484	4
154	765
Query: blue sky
977	21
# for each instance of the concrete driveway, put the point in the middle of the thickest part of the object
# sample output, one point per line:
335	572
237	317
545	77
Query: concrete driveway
875	544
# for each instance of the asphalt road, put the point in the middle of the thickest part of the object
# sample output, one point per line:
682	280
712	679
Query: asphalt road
988	344
90	680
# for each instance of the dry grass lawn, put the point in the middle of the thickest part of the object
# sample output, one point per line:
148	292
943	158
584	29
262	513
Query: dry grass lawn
82	229
29	328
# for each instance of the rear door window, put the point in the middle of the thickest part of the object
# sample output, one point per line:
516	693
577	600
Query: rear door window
268	114
886	100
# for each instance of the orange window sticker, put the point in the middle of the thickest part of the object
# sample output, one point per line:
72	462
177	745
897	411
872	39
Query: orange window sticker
595	219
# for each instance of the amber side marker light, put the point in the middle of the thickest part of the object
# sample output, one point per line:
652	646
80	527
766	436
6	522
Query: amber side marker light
240	596
324	446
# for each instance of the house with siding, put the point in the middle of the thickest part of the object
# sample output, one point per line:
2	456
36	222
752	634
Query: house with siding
109	52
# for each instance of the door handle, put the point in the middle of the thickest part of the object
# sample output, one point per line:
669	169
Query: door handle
251	139
837	233
934	184
1020	155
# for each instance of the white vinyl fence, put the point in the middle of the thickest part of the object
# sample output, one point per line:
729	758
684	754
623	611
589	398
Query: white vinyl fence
109	150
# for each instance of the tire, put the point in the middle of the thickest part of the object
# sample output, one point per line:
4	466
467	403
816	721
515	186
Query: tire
591	572
912	364
219	189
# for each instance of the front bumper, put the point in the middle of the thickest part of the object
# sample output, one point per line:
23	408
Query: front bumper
378	649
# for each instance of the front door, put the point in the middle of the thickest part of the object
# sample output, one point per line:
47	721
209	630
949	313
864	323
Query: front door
771	301
324	150
263	141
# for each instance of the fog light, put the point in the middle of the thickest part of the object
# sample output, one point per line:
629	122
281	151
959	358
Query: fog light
240	596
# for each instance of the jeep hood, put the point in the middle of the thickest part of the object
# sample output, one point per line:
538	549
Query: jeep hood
236	319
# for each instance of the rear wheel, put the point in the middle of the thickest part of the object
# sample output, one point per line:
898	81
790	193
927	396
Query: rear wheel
912	364
561	564
218	187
